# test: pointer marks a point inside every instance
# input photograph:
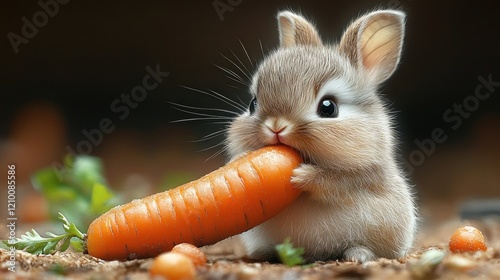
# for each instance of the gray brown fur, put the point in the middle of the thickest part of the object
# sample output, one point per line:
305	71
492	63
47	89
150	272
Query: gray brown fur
356	204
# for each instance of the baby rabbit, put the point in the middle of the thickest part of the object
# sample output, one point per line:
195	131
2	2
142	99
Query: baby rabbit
322	100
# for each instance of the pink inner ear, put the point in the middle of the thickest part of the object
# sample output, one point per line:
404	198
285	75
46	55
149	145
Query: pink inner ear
380	43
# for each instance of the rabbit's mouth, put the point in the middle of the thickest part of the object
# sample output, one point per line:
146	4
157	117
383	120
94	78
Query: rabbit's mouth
306	157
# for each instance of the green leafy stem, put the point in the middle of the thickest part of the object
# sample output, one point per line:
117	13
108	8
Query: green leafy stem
34	243
288	254
79	190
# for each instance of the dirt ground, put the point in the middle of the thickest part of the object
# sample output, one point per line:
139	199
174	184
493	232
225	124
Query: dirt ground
225	262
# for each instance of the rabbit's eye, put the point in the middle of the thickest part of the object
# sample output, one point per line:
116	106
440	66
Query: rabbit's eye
328	108
253	105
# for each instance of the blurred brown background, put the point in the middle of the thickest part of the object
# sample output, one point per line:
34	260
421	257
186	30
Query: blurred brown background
66	77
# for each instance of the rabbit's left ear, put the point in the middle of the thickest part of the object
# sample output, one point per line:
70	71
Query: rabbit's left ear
374	42
296	30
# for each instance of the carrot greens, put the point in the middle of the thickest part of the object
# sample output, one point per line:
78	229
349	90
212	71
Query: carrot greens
33	242
77	188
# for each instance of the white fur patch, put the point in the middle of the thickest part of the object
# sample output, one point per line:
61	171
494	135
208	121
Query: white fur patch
339	88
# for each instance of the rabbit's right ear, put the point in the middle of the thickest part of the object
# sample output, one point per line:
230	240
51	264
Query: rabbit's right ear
374	43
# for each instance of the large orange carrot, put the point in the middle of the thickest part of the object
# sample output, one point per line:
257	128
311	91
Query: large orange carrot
228	201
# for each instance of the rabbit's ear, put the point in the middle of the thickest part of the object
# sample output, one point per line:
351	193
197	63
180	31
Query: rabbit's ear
296	30
374	42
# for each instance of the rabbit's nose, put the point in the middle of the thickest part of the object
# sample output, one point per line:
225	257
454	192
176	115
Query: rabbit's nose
276	130
277	125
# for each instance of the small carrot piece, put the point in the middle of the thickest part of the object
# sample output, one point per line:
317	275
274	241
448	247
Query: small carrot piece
173	266
228	201
467	239
194	253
